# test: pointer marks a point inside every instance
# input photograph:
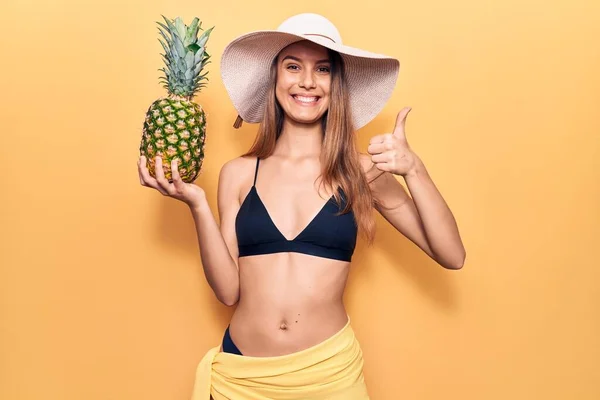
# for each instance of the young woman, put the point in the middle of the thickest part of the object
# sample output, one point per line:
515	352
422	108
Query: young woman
292	207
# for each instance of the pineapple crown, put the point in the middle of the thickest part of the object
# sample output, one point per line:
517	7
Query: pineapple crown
185	56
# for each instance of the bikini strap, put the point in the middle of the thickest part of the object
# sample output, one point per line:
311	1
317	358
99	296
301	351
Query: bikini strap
256	172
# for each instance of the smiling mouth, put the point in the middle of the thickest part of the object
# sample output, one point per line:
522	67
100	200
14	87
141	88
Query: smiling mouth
306	100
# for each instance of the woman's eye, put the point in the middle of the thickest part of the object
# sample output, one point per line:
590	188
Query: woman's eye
324	69
292	66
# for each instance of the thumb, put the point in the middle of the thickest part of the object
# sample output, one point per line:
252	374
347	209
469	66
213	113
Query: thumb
399	128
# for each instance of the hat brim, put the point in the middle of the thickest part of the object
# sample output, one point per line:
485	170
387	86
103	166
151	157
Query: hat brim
246	63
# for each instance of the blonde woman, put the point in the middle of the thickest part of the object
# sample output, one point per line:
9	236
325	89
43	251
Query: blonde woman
291	209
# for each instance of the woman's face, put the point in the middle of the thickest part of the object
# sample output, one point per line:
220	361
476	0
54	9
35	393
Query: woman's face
303	81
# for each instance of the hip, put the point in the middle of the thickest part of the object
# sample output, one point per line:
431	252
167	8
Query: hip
331	369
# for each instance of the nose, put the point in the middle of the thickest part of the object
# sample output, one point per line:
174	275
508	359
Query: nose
307	80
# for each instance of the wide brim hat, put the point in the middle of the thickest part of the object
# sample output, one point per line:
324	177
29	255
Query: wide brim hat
246	64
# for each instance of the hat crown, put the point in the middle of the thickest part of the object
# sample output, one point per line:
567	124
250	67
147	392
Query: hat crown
309	24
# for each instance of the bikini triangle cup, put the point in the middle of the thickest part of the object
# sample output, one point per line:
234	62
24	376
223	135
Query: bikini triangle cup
326	235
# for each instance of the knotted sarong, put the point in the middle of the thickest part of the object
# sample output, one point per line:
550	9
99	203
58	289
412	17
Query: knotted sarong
332	370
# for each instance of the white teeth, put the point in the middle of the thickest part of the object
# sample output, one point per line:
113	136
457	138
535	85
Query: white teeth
306	99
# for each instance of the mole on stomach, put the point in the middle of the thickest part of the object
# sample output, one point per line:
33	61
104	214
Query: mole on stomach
284	325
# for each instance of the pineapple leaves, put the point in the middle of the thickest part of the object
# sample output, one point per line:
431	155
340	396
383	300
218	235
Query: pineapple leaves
165	29
204	38
172	29
189	58
184	55
180	27
179	47
192	32
165	59
198	57
165	48
167	40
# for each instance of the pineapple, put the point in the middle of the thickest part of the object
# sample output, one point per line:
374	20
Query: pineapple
175	126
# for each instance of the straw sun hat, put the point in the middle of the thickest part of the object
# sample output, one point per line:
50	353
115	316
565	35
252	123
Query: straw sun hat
246	64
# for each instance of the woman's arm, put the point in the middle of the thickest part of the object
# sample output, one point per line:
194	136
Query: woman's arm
425	219
218	245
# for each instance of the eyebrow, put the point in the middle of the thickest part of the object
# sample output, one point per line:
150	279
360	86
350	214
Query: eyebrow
299	60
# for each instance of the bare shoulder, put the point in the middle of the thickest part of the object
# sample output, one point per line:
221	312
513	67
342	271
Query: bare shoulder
234	177
238	168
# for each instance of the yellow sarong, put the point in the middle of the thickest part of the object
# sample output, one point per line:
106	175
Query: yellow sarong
332	370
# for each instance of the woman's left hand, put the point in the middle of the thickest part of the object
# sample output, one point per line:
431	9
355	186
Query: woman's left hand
390	152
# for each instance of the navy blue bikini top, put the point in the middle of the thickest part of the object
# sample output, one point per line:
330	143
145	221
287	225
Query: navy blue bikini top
327	235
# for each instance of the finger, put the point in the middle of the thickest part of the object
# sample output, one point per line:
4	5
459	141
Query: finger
160	176
381	158
378	148
177	181
383	166
139	165
160	172
146	179
377	139
399	128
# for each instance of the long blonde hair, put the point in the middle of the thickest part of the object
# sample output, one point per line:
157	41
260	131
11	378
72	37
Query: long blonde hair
339	155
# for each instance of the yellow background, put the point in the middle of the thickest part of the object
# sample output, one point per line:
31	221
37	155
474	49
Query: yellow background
101	288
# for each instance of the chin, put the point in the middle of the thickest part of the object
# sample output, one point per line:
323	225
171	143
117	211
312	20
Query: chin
305	118
305	121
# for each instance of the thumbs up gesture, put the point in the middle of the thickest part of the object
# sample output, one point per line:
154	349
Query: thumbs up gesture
390	152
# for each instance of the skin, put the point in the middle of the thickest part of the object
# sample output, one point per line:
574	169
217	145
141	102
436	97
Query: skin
287	302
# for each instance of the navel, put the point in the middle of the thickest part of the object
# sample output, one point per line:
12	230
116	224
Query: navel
284	326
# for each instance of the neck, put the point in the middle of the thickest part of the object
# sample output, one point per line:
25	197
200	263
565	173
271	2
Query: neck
299	140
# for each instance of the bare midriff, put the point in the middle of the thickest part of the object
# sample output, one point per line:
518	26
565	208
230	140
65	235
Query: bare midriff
288	302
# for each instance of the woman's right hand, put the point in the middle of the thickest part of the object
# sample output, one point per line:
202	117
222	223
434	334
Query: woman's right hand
189	193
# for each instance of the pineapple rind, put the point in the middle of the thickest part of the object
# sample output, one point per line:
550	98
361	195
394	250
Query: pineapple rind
182	139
